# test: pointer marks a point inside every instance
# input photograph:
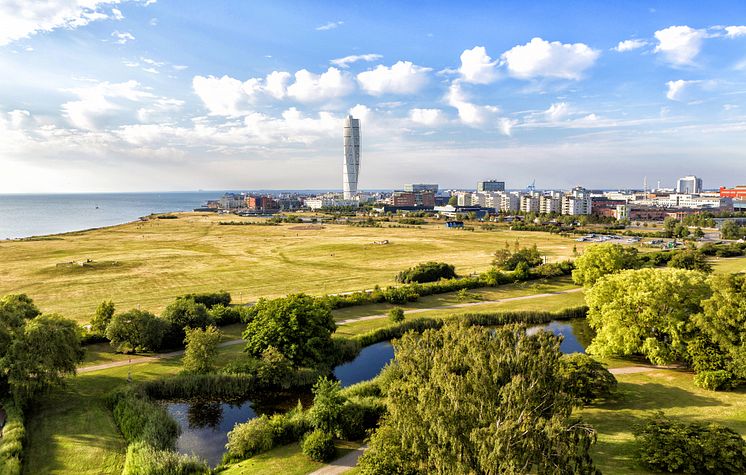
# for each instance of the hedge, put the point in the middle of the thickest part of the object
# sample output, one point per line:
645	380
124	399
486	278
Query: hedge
12	441
143	459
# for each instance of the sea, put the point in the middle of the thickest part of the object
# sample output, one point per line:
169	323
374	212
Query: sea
23	215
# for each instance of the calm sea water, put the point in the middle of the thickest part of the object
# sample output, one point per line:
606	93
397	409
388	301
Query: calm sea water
35	215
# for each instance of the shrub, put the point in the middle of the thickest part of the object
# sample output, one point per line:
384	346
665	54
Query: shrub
11	443
210	299
327	405
145	460
530	256
690	260
427	272
319	446
396	315
225	315
290	426
201	349
714	380
140	420
400	295
666	445
275	369
585	378
250	438
136	330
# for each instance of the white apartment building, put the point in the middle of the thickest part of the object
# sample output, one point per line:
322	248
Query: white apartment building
530	203
550	203
689	185
576	202
509	202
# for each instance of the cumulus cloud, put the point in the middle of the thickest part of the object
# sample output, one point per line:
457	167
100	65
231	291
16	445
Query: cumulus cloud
310	87
401	78
540	58
469	113
428	117
679	45
225	95
276	84
123	37
103	102
735	31
348	60
23	18
329	26
629	45
557	111
477	67
506	125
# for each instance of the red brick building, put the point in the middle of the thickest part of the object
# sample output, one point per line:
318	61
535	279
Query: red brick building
738	192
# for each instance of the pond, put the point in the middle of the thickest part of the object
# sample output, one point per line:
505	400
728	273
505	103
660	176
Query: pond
576	333
366	365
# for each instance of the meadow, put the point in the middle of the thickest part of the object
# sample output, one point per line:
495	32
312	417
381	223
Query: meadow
149	263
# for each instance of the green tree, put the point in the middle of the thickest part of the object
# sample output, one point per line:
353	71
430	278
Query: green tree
102	317
645	311
275	369
453	200
18	307
298	325
507	260
698	233
181	314
602	259
690	259
586	378
396	314
731	230
327	405
201	349
669	226
473	400
136	330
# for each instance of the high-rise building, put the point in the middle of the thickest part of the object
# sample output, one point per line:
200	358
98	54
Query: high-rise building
491	185
689	185
351	168
420	187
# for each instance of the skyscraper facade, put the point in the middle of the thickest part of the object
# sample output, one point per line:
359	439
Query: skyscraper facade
351	168
688	185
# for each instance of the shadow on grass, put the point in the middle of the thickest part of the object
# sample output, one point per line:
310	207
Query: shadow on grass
653	396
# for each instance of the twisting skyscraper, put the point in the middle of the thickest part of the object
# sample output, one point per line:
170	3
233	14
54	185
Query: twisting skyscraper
351	166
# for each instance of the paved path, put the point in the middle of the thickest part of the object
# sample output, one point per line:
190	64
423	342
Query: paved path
640	369
460	305
341	465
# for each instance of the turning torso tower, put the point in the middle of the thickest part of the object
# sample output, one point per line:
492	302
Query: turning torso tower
351	168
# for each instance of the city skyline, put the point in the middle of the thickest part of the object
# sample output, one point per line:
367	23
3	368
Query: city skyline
145	95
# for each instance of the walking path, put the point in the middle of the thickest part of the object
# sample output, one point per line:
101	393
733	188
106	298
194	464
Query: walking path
342	464
461	305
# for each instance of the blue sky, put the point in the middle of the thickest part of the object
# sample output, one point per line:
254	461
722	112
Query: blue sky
178	95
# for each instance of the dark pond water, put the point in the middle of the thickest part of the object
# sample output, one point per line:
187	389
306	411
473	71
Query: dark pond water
575	333
367	365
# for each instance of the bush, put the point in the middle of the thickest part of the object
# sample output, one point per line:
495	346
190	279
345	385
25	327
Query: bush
183	313
225	315
506	260
427	272
11	443
396	315
140	420
290	426
327	405
714	380
201	349
250	438
136	330
210	300
585	378
400	295
144	460
690	260
666	445
319	446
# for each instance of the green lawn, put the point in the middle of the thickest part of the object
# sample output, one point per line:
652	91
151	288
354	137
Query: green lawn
285	460
729	265
149	263
639	395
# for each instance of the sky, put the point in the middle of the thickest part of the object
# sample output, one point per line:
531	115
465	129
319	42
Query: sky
158	95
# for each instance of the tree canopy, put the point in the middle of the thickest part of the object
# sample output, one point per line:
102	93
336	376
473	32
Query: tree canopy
525	257
690	259
299	326
599	260
645	311
472	400
201	349
136	330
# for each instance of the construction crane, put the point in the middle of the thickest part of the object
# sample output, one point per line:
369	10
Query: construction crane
531	187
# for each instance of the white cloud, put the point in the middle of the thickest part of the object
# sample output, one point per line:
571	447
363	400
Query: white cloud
102	103
735	31
557	111
506	125
347	60
329	26
679	45
477	67
310	87
123	37
24	18
469	113
117	14
629	45
540	58
429	117
401	78
676	89
276	84
224	96
161	109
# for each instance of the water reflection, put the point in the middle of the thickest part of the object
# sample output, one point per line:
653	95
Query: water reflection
366	365
576	333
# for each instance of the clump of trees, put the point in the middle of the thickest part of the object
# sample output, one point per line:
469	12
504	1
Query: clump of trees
603	259
136	330
585	378
690	259
201	349
525	257
455	383
732	230
667	445
427	272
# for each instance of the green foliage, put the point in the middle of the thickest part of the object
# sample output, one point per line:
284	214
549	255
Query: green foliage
396	315
275	369
141	420
645	311
453	200
714	380
455	383
299	326
690	259
427	272
201	349
290	426
182	314
18	306
599	260
318	446
327	405
210	299
732	230
223	315
667	445
250	438
585	378
136	330
506	260
12	440
145	460
102	317
202	386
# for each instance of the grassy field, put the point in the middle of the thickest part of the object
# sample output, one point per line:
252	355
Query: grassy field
729	265
285	460
151	262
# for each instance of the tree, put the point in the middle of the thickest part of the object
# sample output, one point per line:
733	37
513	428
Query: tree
181	314
690	259
136	330
507	260
731	230
47	350
602	259
18	307
427	272
396	315
645	311
453	200
475	400
298	325
201	349
102	317
586	378
698	233
669	226
327	405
